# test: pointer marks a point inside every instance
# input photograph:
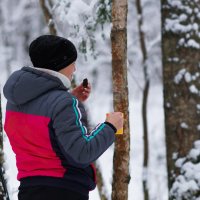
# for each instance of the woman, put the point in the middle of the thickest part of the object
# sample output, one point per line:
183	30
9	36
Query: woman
47	125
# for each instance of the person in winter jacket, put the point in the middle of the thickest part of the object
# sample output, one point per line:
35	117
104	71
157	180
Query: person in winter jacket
47	125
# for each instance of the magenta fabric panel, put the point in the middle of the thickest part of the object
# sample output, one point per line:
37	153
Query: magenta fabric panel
30	140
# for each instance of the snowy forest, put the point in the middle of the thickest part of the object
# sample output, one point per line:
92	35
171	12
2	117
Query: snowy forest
157	73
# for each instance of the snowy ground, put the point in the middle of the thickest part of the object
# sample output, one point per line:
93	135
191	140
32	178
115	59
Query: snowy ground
157	163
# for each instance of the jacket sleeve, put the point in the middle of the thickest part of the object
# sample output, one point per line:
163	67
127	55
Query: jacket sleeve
79	146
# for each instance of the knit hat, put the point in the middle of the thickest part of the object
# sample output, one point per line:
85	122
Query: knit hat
52	52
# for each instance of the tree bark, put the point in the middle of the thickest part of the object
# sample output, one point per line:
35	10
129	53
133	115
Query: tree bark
48	18
121	175
144	100
181	85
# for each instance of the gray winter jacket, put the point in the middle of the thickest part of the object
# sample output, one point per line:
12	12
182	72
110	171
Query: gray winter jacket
47	129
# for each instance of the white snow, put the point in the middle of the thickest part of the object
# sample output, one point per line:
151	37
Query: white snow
180	162
193	89
175	3
197	144
188	77
174	155
179	76
198	127
184	125
185	23
183	17
194	153
186	185
193	43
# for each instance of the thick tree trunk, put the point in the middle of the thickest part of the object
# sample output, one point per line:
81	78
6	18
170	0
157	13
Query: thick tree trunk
180	46
121	176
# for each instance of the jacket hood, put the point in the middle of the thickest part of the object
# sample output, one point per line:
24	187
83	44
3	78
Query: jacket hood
28	83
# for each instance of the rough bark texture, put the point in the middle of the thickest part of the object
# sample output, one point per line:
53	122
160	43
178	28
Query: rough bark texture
121	176
48	17
181	81
144	100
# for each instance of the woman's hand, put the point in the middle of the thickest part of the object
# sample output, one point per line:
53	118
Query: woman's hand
82	93
116	119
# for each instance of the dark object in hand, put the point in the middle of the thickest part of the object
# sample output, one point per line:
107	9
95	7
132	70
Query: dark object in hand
85	83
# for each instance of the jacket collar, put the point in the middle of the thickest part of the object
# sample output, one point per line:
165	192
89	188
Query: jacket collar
66	82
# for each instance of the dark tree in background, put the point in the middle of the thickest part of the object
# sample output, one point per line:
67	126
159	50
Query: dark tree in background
181	67
3	186
145	98
1	153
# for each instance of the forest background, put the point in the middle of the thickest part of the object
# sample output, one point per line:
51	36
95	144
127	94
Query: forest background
88	24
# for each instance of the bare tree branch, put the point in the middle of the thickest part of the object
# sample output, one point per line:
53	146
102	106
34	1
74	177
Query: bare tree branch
48	18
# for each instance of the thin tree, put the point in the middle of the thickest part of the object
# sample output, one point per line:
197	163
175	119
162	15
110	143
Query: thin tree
121	175
2	194
180	47
3	186
144	100
48	17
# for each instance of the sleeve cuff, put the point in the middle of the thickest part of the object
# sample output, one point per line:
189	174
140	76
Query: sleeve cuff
111	126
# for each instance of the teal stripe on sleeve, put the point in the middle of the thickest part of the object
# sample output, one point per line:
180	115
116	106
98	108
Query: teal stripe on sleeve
96	132
79	123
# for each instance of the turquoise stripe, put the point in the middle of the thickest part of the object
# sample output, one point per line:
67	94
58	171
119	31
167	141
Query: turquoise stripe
75	110
81	126
96	132
77	118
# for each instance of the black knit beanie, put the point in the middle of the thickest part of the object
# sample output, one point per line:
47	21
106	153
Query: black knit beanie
52	52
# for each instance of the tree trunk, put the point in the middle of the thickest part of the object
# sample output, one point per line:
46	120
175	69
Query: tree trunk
2	194
144	101
121	176
145	139
180	46
48	17
3	186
